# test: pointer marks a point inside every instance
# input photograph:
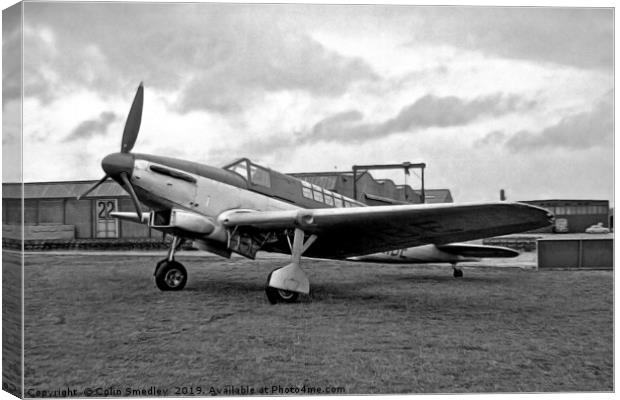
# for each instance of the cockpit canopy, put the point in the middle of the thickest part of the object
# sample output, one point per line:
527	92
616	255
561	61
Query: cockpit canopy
251	172
294	190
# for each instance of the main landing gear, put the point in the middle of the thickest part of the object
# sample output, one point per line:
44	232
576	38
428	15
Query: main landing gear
458	273
170	274
279	295
285	284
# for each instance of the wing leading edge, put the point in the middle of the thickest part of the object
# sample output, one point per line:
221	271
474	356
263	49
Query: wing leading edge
346	232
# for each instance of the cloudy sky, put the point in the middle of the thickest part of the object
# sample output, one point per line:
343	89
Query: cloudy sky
489	98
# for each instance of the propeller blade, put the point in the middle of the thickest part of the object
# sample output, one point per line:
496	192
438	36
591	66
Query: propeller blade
95	186
132	194
132	125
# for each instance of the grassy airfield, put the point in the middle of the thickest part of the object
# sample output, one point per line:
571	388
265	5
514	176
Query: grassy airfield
99	322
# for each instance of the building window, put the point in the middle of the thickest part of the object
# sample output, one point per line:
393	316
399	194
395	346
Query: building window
31	211
329	199
12	211
51	211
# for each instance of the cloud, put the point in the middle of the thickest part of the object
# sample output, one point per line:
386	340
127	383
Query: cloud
12	54
92	127
218	57
428	111
578	37
347	127
491	139
578	131
333	123
271	62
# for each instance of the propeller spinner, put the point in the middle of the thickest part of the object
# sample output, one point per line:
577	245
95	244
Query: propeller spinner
119	166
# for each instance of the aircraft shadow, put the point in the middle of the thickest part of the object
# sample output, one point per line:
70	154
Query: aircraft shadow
369	289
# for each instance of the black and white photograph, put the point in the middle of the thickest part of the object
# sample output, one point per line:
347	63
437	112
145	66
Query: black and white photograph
260	199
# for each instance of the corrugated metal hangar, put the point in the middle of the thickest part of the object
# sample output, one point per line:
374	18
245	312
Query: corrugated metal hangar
574	216
373	191
52	211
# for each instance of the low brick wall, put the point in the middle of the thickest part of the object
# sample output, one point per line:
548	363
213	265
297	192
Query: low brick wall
39	232
524	243
91	244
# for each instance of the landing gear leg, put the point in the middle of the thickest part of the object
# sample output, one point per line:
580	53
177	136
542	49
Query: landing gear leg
284	284
458	273
170	274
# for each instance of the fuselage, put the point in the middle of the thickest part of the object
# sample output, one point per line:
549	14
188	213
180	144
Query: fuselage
165	182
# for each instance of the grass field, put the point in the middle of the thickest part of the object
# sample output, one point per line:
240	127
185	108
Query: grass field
99	321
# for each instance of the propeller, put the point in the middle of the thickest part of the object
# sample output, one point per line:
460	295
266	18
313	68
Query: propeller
95	186
132	125
132	194
119	166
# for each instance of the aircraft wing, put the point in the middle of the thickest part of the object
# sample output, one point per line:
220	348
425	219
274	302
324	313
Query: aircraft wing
346	232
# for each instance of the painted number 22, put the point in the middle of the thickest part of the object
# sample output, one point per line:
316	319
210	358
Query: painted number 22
105	208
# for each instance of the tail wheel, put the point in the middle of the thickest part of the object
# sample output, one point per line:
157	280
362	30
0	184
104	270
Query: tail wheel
170	275
275	295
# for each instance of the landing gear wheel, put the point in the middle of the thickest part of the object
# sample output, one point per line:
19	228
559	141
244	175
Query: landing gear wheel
275	295
458	273
158	265
170	275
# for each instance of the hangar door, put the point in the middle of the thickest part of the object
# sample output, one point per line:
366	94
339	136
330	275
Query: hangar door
106	226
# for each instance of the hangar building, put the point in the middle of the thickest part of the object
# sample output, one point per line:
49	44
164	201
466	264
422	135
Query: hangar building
573	216
433	196
373	191
52	211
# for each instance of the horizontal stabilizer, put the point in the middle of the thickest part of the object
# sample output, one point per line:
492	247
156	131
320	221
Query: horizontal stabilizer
478	250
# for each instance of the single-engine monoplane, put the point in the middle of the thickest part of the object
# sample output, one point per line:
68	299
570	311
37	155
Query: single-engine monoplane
244	207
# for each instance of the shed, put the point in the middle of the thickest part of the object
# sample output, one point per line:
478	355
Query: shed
53	208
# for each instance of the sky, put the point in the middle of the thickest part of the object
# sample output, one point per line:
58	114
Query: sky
490	98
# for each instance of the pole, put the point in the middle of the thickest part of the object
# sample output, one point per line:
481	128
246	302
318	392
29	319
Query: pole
423	194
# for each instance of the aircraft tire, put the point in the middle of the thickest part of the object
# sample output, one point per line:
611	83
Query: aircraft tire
158	265
170	275
275	295
458	273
